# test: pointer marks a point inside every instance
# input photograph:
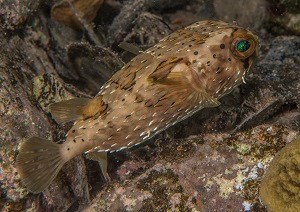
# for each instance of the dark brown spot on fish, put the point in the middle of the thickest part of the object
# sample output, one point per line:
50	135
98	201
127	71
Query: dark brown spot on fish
195	52
74	140
208	63
182	43
127	116
159	54
229	59
123	100
219	70
188	63
214	56
110	124
82	140
194	61
68	149
73	131
222	46
190	45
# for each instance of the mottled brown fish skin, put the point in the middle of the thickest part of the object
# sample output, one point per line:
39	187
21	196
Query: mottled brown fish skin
185	72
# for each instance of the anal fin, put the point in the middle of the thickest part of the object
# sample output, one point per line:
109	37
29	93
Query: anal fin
101	158
208	100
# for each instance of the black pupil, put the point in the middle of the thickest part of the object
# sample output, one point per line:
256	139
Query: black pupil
242	45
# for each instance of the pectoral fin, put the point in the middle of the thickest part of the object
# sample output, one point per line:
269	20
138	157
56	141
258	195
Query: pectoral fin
101	157
164	69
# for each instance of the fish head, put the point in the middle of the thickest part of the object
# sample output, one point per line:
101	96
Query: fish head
225	58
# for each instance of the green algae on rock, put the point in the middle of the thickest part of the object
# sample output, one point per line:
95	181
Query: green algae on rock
280	187
48	89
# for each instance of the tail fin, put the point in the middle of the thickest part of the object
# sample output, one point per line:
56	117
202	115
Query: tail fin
38	163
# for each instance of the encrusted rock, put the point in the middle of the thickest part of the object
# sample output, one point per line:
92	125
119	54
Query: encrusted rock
280	187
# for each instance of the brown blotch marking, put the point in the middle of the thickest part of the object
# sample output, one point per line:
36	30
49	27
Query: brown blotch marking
128	81
95	106
102	112
138	98
149	103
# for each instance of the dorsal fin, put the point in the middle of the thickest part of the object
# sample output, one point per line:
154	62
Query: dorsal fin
130	48
68	110
78	108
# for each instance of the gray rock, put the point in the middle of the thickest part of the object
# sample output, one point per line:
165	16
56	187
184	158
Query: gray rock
15	12
245	13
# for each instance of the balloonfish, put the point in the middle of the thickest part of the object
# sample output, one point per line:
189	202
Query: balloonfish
185	72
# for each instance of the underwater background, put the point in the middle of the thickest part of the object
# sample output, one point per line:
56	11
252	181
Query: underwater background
214	161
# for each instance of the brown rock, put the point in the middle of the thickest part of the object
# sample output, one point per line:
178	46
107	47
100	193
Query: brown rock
73	12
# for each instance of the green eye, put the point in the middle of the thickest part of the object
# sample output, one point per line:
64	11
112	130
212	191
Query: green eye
242	45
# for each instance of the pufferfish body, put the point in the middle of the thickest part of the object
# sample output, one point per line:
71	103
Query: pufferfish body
185	72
